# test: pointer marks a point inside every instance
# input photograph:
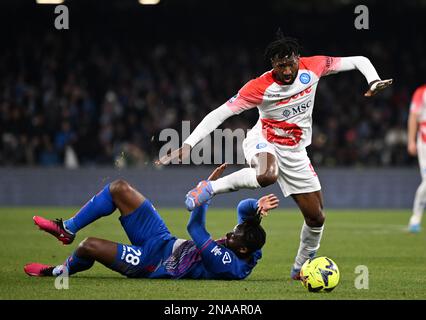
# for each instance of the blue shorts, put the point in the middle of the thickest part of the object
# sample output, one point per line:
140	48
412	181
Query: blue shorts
151	242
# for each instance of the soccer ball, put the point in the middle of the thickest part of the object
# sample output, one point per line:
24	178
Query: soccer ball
320	274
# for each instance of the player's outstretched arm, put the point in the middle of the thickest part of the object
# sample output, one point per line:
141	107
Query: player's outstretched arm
197	226
249	208
364	66
210	122
180	154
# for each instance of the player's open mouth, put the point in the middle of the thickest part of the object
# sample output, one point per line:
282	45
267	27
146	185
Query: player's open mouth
288	77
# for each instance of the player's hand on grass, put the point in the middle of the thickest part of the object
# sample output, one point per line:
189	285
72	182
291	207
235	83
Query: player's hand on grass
181	154
267	203
412	148
217	172
377	86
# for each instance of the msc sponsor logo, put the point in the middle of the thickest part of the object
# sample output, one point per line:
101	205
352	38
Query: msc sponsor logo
296	110
294	97
305	78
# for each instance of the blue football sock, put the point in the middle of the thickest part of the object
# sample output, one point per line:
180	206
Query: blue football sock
76	264
99	206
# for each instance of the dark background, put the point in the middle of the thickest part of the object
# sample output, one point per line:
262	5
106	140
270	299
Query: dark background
123	72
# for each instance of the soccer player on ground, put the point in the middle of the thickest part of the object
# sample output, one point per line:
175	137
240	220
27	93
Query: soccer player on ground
275	147
417	131
154	252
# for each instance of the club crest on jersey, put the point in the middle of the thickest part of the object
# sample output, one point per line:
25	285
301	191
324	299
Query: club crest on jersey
261	145
305	78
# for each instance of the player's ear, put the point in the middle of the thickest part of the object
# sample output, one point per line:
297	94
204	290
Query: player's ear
243	250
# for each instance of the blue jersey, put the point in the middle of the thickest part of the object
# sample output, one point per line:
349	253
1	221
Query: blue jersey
151	254
204	258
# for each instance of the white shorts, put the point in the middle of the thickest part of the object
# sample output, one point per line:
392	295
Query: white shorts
296	173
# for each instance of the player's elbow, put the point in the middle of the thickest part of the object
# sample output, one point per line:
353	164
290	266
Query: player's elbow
352	62
362	60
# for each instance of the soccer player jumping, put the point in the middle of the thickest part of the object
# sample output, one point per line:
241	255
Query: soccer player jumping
154	252
275	147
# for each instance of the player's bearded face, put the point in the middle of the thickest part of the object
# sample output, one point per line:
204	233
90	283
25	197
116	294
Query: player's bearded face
285	69
233	239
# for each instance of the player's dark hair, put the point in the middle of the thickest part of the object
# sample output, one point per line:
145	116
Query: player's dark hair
254	236
282	47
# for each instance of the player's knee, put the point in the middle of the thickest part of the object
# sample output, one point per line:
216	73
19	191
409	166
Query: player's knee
267	169
87	247
267	178
315	220
119	187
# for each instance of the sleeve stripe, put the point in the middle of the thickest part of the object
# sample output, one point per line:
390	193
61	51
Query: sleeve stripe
251	94
205	244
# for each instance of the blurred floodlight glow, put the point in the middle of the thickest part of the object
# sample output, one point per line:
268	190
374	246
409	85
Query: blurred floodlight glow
149	1
49	1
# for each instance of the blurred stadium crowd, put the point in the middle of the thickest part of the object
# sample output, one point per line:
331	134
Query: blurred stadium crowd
69	98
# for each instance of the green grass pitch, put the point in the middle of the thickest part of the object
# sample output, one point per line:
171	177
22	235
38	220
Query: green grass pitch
377	239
